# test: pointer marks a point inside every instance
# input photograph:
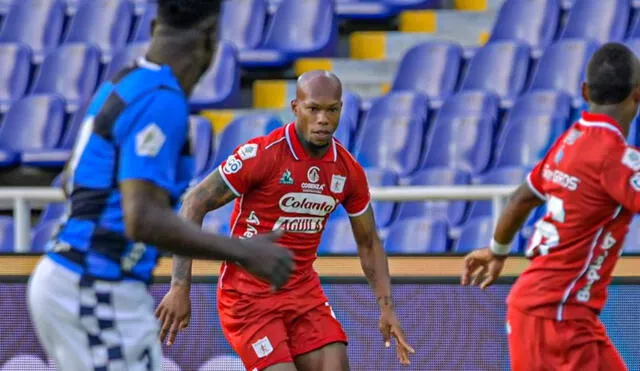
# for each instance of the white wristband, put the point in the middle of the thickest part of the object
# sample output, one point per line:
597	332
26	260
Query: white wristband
498	248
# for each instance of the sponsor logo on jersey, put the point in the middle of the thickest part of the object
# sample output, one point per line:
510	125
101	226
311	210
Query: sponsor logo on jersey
305	224
248	151
337	183
306	203
635	181
315	188
286	178
593	272
232	166
313	174
253	218
560	178
149	141
631	159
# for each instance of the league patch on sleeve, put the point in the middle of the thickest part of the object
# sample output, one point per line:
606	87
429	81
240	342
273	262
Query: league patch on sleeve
248	151
635	181
631	159
232	166
149	141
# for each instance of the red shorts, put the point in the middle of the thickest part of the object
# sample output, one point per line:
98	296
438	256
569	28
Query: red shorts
265	331
541	344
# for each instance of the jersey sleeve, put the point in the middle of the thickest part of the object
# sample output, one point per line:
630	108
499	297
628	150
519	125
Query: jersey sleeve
153	146
620	176
358	197
244	168
535	180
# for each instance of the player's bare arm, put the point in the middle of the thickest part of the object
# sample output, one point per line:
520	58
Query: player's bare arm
483	266
376	268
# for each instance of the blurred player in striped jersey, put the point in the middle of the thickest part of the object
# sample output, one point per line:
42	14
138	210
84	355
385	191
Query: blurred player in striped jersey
89	296
590	182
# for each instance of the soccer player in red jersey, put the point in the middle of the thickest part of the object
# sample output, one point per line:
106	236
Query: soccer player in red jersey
289	180
590	181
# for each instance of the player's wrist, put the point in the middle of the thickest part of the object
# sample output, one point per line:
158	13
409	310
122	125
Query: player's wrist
385	302
499	249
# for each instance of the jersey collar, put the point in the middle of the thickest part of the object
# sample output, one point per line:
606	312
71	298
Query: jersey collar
298	151
600	120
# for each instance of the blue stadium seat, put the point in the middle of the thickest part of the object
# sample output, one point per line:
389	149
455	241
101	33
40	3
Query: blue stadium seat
142	31
363	9
41	234
242	23
242	129
532	22
220	85
337	238
6	234
471	103
452	212
5	6
475	234
202	136
598	20
34	122
71	71
543	102
411	4
297	29
36	23
218	221
139	6
508	175
383	210
391	135
632	241
348	119
417	236
501	68
14	73
125	57
562	66
431	68
634	44
104	23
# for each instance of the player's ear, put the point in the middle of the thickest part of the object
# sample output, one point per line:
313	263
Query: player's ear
636	94
585	91
294	106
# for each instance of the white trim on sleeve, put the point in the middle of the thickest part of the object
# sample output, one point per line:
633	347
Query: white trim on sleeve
227	182
353	215
534	189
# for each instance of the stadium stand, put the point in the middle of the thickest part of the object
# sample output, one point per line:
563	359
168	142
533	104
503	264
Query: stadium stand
435	92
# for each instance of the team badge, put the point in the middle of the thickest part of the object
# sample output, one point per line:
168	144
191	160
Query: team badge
631	159
248	151
313	174
337	183
262	347
635	181
149	141
286	178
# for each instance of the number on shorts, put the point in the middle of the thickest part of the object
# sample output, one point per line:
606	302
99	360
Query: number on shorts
546	235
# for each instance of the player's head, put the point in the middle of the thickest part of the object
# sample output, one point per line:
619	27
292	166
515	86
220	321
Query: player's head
613	79
185	31
317	107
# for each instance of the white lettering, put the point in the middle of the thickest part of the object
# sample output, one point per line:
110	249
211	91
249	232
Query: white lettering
305	203
300	224
593	272
562	179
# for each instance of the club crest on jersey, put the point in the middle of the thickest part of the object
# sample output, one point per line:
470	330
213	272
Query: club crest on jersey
248	151
286	178
631	159
635	181
337	183
313	175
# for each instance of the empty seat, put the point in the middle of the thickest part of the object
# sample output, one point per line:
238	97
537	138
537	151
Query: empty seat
242	22
431	68
220	85
337	238
562	66
501	68
471	103
35	122
5	6
104	23
383	210
297	29
452	212
125	57
14	73
391	138
474	235
41	234
543	102
218	221
598	20
241	130
363	9
6	234
632	241
531	22
71	71
35	23
348	119
410	4
508	175
142	32
202	136
417	236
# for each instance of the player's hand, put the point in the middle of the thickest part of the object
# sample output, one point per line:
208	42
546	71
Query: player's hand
174	312
267	260
482	267
389	326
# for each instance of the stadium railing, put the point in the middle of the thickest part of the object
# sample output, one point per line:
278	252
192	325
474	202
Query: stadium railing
23	199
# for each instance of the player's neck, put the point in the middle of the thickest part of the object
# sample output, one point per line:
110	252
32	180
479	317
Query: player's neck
310	149
171	56
613	112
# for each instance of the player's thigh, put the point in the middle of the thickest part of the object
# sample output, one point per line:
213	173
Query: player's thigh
610	359
524	335
289	366
318	341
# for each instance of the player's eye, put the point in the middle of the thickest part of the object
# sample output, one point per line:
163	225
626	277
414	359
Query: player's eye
314	109
333	110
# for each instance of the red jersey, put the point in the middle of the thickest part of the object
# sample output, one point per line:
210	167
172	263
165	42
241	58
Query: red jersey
590	180
280	186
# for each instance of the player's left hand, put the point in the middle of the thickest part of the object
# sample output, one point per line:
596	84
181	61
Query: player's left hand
389	326
489	265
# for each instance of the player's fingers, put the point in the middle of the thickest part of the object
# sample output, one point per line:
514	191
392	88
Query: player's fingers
470	265
402	341
173	332
494	273
166	324
403	356
385	330
479	276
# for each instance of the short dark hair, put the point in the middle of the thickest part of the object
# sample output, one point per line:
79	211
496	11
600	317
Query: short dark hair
610	74
186	13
